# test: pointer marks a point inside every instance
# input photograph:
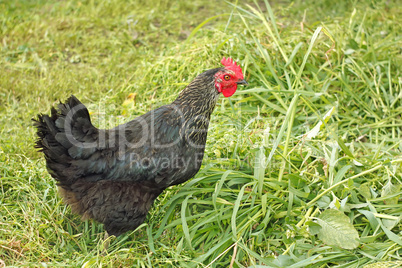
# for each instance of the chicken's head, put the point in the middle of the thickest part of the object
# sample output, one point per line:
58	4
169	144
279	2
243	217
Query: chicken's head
228	78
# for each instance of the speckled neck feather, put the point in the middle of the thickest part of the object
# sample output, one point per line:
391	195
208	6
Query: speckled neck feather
200	96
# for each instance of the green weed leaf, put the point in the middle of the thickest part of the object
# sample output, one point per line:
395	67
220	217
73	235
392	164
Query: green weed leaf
337	229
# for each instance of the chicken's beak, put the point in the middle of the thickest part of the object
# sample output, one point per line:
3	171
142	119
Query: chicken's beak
242	82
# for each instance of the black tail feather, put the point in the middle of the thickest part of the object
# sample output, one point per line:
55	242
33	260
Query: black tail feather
60	136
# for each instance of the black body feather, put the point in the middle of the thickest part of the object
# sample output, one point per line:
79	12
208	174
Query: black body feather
114	175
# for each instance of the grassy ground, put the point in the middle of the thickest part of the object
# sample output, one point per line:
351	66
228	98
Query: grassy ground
303	167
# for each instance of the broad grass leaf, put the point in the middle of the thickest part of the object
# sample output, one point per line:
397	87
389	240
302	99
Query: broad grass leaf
384	264
313	227
324	202
392	236
389	190
337	229
364	190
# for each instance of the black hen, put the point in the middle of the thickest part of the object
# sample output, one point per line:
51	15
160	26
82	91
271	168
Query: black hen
114	175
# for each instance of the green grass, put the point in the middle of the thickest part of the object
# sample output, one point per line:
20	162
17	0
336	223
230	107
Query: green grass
318	130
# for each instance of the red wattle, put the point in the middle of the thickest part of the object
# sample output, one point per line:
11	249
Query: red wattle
229	91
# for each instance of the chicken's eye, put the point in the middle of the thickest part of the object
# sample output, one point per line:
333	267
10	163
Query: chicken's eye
226	77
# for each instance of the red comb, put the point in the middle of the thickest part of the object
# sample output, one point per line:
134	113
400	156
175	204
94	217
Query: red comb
232	65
